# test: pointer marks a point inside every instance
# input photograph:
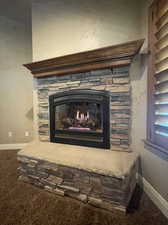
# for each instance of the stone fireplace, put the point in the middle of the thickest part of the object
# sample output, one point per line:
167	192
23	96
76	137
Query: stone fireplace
84	104
114	86
99	71
113	82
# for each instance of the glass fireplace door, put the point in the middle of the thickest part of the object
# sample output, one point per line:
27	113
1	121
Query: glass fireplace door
79	118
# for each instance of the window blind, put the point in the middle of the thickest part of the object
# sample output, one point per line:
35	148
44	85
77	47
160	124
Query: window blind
160	89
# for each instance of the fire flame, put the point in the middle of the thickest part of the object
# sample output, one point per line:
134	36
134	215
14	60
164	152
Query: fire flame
82	116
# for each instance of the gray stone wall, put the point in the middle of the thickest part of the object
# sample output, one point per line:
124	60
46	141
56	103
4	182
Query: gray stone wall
99	190
115	80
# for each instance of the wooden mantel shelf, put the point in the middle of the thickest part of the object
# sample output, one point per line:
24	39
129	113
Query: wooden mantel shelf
112	56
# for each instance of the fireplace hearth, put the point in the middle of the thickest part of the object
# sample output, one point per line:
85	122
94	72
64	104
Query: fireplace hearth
80	117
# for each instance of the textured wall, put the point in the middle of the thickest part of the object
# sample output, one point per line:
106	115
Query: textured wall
16	82
68	26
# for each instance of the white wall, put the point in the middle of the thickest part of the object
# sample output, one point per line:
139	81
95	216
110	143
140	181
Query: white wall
15	82
67	26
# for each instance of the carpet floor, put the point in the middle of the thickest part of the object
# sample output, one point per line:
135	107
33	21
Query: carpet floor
24	204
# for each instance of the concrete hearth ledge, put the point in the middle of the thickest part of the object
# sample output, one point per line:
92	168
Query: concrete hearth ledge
104	162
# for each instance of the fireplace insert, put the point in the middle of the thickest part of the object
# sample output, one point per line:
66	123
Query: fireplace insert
80	117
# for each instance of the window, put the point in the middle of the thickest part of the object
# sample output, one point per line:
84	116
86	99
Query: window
158	75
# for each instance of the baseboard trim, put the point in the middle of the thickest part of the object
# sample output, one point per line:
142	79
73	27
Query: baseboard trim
154	195
12	146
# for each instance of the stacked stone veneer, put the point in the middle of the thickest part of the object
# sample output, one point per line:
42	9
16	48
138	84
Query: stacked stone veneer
96	189
114	80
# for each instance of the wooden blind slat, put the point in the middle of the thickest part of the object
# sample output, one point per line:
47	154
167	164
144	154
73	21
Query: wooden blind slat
156	74
162	7
161	88
161	103
163	42
161	123
162	128
160	49
161	82
162	65
161	99
161	109
162	32
161	93
161	54
162	114
162	77
162	20
162	133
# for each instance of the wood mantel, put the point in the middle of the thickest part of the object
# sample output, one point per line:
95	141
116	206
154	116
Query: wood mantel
112	56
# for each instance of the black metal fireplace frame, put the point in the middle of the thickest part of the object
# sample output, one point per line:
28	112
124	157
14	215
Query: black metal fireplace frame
101	97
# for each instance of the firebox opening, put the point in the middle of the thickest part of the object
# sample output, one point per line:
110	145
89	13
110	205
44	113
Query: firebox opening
80	117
